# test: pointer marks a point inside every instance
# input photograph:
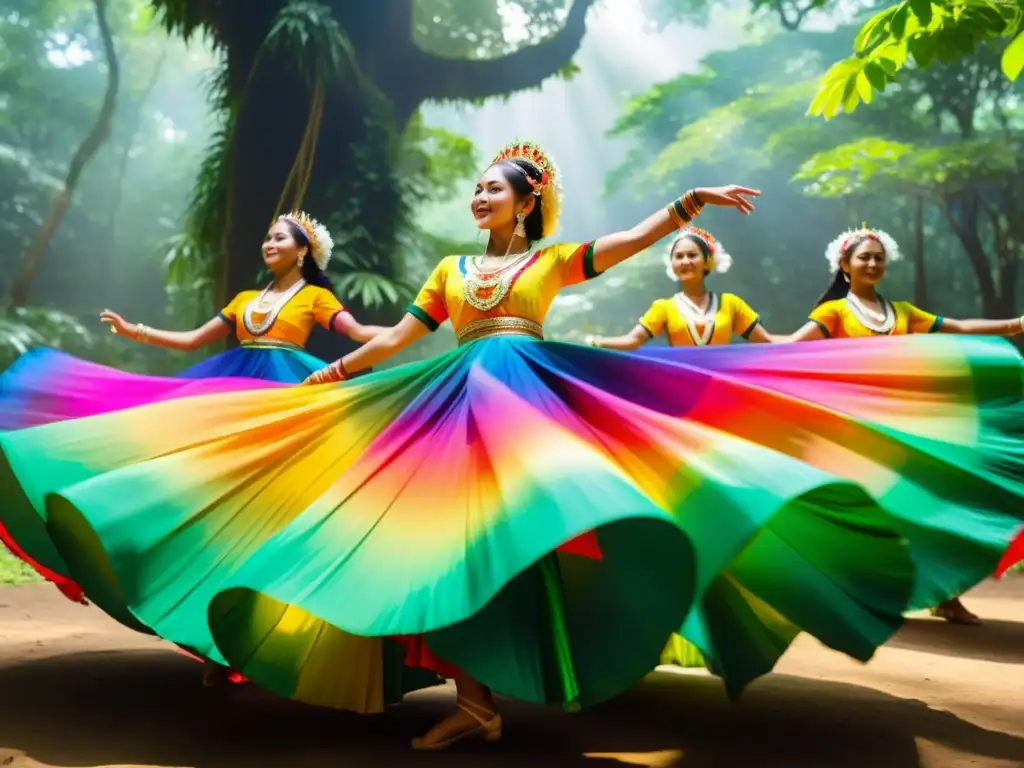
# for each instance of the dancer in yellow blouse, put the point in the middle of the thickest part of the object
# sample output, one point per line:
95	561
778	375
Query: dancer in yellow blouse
296	250
272	325
694	316
852	307
511	505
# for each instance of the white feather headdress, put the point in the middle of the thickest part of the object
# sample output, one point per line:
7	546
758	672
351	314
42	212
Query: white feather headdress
834	252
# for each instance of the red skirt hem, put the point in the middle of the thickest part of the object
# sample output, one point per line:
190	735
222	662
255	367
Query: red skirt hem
70	589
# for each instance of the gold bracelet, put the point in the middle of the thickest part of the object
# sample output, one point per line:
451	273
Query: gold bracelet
1020	322
679	215
141	333
690	203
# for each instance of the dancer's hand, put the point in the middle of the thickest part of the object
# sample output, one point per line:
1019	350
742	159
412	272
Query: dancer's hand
118	324
328	374
732	196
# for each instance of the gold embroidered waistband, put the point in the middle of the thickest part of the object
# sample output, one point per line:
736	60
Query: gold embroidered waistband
270	343
498	326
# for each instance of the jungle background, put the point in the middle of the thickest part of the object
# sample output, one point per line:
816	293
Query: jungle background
145	146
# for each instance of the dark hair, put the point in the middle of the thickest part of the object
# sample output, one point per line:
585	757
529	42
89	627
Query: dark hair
840	285
311	272
516	172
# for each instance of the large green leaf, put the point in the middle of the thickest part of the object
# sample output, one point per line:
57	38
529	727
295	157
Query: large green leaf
1013	57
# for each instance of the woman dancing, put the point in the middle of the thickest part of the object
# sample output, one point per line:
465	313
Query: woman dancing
272	325
503	510
694	316
852	307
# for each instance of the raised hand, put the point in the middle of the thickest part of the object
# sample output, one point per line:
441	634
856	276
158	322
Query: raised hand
118	324
732	196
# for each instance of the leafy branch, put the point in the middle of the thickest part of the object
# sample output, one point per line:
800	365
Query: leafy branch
919	32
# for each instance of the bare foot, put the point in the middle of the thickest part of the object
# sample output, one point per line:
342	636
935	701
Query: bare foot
469	721
955	612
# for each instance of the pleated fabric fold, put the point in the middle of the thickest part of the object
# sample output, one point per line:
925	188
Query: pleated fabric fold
543	516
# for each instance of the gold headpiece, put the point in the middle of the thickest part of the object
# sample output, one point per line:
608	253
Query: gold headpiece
320	242
548	189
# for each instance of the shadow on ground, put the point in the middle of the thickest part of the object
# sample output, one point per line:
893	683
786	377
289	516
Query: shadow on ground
147	709
999	641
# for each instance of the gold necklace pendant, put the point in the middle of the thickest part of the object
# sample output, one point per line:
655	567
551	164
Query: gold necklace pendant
484	290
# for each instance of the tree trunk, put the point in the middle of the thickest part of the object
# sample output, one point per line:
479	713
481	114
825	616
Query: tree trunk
920	279
353	182
86	151
962	214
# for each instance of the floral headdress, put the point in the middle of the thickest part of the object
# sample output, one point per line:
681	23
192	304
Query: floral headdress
835	250
718	259
320	242
548	189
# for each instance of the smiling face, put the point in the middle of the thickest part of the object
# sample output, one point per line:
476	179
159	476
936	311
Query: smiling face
866	263
281	251
495	201
687	259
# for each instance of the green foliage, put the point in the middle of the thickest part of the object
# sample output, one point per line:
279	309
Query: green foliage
192	255
876	165
307	36
790	13
947	142
14	572
52	79
924	33
477	30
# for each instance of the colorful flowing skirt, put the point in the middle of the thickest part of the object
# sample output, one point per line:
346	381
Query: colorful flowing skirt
544	516
45	385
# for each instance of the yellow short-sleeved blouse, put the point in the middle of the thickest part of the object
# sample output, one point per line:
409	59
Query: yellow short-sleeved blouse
734	315
530	294
838	321
311	305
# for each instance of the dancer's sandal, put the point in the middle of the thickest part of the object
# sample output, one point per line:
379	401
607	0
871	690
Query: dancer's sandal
956	612
486	727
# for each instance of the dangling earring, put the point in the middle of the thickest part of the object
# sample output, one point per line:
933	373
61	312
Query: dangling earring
301	259
520	230
846	275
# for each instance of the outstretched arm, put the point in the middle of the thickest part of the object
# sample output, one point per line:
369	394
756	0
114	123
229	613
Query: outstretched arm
619	246
632	340
345	323
983	327
387	343
214	330
810	331
760	336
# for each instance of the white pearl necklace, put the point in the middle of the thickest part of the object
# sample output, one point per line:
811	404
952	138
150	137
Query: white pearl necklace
258	304
877	322
695	315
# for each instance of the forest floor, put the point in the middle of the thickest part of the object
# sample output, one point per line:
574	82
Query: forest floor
76	689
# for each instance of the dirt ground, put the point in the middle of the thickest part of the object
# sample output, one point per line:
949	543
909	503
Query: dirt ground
78	690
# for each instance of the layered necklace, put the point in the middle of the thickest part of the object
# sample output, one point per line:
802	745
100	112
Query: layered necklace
695	316
484	289
877	322
270	309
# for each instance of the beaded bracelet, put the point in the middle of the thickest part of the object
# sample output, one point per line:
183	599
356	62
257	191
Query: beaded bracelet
685	209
